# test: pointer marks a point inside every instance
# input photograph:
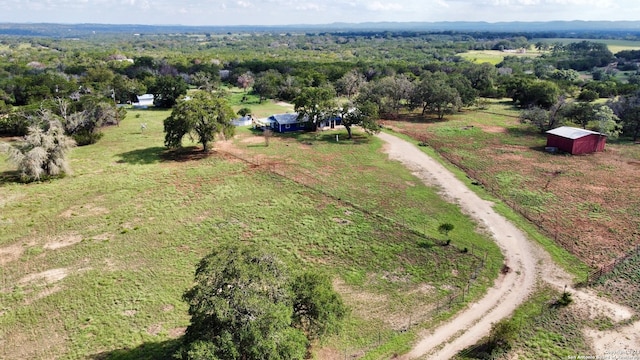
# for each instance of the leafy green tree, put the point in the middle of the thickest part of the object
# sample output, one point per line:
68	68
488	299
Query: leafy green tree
544	119
581	113
267	84
364	115
317	308
587	95
483	78
43	153
434	94
245	306
606	122
167	89
627	109
202	117
317	103
539	93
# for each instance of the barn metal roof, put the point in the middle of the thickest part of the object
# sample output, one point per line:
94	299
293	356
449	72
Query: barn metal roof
572	133
290	118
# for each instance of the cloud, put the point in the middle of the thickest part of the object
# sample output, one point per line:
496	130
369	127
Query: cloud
378	6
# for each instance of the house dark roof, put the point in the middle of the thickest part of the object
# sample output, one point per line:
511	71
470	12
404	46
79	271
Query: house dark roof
572	133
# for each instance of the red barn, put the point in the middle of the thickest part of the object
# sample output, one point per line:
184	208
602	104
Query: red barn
575	140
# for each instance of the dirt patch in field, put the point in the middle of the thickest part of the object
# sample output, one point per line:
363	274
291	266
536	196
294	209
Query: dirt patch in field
61	241
7	199
129	313
492	129
45	277
84	211
252	140
154	329
11	253
177	332
329	354
623	341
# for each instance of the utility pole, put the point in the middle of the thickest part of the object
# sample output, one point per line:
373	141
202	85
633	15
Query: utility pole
113	96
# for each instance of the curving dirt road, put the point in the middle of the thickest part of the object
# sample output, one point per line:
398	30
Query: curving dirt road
509	290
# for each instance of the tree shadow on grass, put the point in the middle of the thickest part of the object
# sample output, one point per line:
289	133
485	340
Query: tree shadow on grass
309	138
162	350
525	131
9	177
416	118
154	155
146	156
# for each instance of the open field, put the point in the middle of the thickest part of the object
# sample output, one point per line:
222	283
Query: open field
94	264
493	57
613	45
585	203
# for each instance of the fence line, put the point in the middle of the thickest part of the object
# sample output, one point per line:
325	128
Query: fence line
458	296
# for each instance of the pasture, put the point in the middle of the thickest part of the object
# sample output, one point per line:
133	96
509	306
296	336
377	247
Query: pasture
614	45
494	57
584	203
94	264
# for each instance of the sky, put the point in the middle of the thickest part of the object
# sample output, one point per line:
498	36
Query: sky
288	12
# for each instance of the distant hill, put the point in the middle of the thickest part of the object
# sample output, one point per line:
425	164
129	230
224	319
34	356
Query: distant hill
564	28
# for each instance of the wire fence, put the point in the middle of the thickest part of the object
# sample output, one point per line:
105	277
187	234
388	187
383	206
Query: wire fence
455	297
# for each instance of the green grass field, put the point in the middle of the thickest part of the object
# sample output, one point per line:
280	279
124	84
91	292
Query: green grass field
613	45
493	57
94	264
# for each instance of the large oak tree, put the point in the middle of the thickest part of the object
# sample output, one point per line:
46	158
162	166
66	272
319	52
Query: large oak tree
202	117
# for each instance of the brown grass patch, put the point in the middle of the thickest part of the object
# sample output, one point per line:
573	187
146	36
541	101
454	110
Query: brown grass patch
492	129
103	237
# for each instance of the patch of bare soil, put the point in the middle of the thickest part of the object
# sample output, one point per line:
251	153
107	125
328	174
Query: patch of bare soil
11	253
84	210
45	277
177	332
154	329
622	341
61	241
329	354
492	129
253	140
129	313
7	199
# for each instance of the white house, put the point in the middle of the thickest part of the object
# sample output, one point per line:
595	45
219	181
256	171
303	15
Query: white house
144	101
243	121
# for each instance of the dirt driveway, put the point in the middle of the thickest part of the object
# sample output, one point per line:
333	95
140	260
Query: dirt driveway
527	261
